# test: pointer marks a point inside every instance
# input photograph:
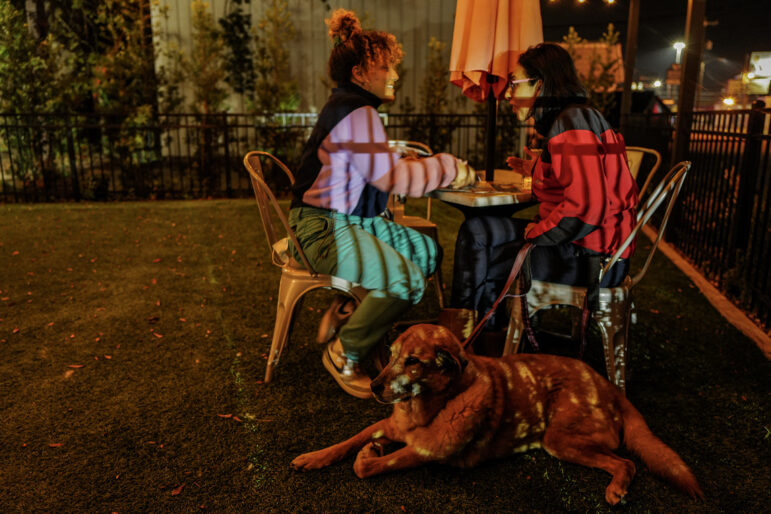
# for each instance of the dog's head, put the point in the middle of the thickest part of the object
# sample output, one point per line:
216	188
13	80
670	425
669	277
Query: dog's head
424	359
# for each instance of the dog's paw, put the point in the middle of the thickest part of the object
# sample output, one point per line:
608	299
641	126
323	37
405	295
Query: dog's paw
615	495
311	460
365	464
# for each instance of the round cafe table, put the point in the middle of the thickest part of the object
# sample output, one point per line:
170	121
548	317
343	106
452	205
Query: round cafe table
507	195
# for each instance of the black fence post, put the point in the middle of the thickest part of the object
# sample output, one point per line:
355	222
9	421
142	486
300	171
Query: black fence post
749	176
73	162
226	130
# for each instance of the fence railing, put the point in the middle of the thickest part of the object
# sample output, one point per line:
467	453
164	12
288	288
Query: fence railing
722	222
45	157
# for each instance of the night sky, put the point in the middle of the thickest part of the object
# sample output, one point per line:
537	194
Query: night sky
743	27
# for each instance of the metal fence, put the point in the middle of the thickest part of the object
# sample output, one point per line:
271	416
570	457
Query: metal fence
722	219
45	157
721	223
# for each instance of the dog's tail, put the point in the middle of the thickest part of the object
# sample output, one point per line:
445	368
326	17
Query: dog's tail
659	457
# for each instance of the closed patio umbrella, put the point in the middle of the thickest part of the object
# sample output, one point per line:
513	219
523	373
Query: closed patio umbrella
487	39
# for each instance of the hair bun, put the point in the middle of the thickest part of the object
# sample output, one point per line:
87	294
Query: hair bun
342	25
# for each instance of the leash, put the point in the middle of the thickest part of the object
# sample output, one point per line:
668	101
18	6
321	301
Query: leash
522	259
522	255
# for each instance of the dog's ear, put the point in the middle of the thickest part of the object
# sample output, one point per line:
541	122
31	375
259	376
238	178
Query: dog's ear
449	363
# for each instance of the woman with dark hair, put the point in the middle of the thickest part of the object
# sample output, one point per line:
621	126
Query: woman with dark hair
342	185
581	179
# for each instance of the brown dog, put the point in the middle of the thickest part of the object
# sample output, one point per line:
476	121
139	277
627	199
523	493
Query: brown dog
461	409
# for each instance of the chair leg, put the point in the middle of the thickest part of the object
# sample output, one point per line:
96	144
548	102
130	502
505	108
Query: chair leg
614	342
439	285
287	298
516	327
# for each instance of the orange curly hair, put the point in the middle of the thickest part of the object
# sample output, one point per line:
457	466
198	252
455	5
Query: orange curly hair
357	47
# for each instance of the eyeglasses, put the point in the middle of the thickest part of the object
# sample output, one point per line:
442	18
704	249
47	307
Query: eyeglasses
513	83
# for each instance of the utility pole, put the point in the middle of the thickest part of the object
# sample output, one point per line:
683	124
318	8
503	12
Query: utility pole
706	45
694	48
629	61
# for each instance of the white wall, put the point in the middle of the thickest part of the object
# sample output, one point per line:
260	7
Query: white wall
413	22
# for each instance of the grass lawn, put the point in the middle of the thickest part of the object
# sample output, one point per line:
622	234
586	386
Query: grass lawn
133	339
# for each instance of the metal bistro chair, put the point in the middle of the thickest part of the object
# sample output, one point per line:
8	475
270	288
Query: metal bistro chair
635	156
422	225
614	313
296	279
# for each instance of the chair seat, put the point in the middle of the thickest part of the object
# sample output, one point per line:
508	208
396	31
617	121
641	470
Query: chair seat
549	293
612	317
422	225
415	222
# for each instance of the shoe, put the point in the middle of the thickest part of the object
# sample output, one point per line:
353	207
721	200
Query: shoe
348	375
335	317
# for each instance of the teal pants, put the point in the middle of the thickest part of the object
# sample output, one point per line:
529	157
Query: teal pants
388	259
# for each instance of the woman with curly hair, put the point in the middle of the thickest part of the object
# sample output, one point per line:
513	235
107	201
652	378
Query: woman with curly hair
341	189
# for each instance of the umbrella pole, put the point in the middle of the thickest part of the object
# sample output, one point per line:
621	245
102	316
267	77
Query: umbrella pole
492	108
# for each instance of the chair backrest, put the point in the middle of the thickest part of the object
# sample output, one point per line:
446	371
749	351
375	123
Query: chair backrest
635	156
404	147
669	187
274	220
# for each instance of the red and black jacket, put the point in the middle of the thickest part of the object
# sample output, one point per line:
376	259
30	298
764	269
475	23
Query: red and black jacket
582	180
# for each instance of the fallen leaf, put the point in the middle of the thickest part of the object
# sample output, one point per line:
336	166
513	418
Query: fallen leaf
55	445
157	260
655	311
177	490
236	418
156	334
75	366
16	330
108	357
225	415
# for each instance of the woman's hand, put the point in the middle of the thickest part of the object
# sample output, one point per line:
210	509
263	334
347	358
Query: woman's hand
522	166
465	176
528	228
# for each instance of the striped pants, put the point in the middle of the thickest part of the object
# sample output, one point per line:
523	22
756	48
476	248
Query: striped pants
388	259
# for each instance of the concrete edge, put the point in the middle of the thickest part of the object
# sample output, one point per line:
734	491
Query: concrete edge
723	305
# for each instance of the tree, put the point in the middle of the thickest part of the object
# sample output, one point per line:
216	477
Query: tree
28	69
437	131
600	77
275	90
206	64
237	31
